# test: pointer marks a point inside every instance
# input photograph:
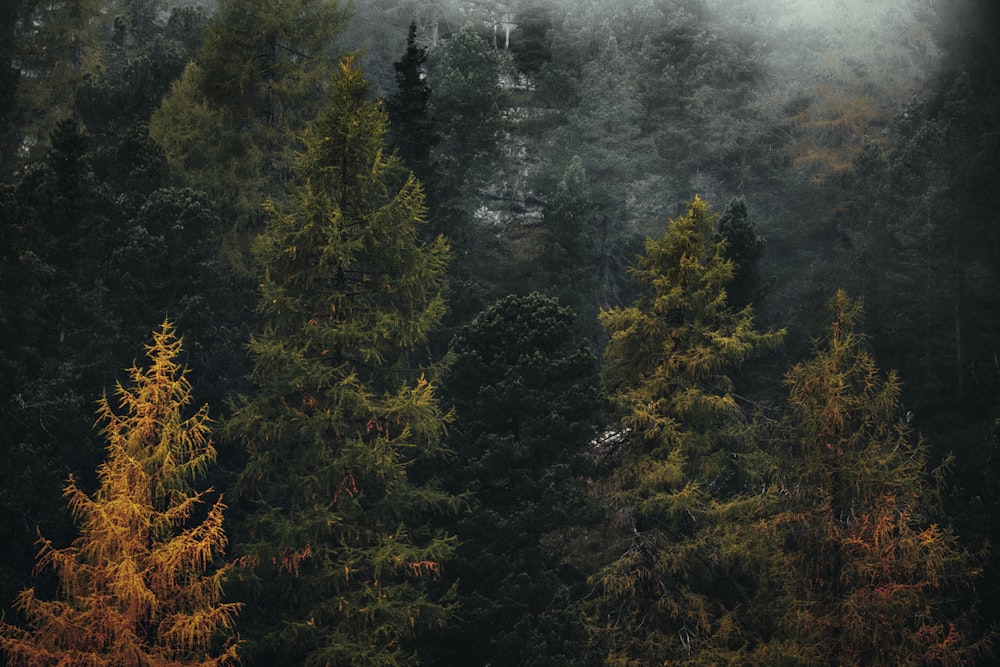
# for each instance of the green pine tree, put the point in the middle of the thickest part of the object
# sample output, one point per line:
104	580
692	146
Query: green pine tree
336	539
229	123
681	494
527	403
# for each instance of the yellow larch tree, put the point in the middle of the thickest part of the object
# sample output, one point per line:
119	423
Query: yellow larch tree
139	586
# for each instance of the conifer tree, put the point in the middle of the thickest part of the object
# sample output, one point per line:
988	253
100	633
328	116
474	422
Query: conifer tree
336	542
526	401
681	493
137	587
874	579
228	125
412	127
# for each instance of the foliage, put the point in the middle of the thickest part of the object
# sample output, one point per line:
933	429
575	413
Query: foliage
229	124
526	401
873	579
48	49
334	541
412	127
744	247
467	105
138	586
918	219
682	494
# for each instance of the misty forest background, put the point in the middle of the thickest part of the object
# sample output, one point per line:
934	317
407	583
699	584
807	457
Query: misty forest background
679	345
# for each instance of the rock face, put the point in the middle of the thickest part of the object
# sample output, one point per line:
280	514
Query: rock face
509	201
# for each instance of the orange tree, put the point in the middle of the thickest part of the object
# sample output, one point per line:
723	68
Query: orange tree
138	586
872	578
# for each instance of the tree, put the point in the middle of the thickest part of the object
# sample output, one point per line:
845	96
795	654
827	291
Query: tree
744	247
47	50
412	126
229	123
683	492
91	262
467	107
335	539
527	404
873	578
138	586
572	240
467	104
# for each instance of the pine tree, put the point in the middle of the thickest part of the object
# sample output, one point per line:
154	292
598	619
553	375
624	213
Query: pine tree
527	403
681	494
336	540
874	578
229	123
135	586
413	128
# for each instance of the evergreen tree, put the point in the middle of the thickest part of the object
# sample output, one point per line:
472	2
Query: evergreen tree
682	496
47	50
412	127
468	103
527	404
228	124
744	247
136	587
467	107
872	578
572	246
335	540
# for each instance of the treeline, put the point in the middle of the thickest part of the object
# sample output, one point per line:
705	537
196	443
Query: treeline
455	409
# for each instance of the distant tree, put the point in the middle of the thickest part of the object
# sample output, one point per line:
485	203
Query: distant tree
146	52
571	245
412	129
334	540
48	49
873	578
683	495
917	219
139	585
467	105
744	247
527	405
230	122
603	130
530	41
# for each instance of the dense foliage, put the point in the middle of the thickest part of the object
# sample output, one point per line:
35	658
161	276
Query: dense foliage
512	392
133	586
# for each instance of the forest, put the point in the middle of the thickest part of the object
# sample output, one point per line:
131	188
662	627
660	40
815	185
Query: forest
517	333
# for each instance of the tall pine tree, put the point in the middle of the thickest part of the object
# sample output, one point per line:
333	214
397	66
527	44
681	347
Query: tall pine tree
681	494
134	586
335	540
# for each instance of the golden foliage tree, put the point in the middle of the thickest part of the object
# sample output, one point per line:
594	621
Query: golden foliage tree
138	586
677	590
872	577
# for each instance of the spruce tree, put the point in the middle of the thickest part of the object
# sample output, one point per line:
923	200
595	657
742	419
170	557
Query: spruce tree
336	541
413	128
136	587
681	495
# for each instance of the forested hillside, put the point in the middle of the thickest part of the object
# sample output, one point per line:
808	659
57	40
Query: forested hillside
467	332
